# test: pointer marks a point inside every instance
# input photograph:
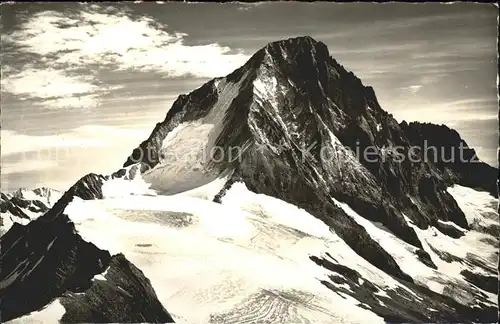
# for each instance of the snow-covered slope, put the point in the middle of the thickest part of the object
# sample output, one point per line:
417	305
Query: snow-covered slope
255	258
221	261
47	262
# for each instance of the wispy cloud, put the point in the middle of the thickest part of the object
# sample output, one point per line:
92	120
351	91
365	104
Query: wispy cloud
27	166
413	88
54	88
71	42
14	142
47	84
122	42
59	160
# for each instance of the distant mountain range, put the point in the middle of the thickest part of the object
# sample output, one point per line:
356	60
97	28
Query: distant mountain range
24	205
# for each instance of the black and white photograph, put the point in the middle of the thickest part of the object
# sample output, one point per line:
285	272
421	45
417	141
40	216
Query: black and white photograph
249	162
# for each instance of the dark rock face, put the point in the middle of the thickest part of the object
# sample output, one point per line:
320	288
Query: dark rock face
218	197
32	205
41	261
488	283
47	259
449	230
123	296
88	187
425	258
452	156
398	305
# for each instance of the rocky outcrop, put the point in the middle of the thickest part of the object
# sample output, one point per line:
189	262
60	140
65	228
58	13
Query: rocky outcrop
485	282
88	187
451	155
122	295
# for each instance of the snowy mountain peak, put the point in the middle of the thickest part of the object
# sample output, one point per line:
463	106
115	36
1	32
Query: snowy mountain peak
291	48
287	128
292	109
43	193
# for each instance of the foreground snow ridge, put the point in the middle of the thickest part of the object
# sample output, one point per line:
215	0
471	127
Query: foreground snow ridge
223	260
248	259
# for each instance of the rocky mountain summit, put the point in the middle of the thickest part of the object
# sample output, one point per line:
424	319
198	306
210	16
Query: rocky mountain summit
292	124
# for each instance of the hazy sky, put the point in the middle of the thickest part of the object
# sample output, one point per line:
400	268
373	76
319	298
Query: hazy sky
83	84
